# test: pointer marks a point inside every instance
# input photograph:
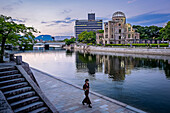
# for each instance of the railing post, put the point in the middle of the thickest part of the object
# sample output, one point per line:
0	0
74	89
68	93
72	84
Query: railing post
18	60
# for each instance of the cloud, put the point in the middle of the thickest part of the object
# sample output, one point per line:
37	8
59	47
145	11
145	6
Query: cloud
67	20
60	21
7	8
150	18
12	5
63	25
44	22
64	21
131	1
23	20
102	18
50	25
66	11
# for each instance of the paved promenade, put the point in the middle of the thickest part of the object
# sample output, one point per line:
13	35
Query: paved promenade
67	97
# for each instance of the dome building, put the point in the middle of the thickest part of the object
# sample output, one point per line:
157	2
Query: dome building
118	31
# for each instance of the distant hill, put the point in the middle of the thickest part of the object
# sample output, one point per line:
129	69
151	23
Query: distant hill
61	37
49	37
44	37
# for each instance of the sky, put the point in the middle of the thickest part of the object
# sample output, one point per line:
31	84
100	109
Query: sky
57	17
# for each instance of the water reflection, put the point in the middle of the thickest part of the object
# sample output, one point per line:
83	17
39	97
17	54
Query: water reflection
69	52
86	63
116	67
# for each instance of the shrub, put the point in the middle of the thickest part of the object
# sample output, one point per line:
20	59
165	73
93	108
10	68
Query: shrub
164	45
90	44
140	45
114	44
99	44
161	45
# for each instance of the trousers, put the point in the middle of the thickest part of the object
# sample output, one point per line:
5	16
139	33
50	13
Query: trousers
87	99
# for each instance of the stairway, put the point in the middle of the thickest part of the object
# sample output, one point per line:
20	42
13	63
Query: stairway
19	93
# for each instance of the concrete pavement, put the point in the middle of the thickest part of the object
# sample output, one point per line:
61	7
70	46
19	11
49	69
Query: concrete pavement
67	97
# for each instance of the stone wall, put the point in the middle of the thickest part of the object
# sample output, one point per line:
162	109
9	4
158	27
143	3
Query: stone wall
29	72
150	51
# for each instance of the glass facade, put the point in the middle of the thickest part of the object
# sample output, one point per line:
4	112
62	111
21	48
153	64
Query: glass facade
91	16
87	25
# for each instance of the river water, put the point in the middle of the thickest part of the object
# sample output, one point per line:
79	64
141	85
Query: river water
142	82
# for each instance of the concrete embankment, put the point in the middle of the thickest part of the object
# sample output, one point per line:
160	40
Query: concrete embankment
150	51
67	97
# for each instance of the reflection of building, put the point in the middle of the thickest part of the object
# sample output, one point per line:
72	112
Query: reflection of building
117	31
87	63
87	25
99	63
114	67
80	65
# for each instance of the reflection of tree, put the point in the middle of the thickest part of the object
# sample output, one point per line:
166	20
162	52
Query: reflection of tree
86	62
167	69
154	63
69	52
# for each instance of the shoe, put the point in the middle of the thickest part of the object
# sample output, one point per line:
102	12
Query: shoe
90	106
83	103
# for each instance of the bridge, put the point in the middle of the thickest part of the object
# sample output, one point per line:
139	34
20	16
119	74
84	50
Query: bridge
47	45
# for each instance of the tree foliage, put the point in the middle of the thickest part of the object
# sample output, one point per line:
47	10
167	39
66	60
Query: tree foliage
69	41
100	31
87	37
148	32
13	33
165	32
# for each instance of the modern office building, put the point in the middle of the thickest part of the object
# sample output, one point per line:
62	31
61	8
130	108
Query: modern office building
117	31
88	25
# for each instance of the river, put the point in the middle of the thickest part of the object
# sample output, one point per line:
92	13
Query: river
142	82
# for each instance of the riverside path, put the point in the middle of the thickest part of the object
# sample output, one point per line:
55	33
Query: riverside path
67	97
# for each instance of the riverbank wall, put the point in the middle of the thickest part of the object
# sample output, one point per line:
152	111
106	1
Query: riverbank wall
149	51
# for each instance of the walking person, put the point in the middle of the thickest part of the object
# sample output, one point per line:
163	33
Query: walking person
86	92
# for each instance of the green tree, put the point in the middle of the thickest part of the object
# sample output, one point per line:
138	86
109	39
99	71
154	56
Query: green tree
70	41
82	36
165	32
87	37
100	31
154	31
148	32
13	33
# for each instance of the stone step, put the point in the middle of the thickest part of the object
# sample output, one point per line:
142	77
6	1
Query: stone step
4	73
8	68
13	86
29	107
17	91
40	110
13	81
20	96
8	77
24	102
